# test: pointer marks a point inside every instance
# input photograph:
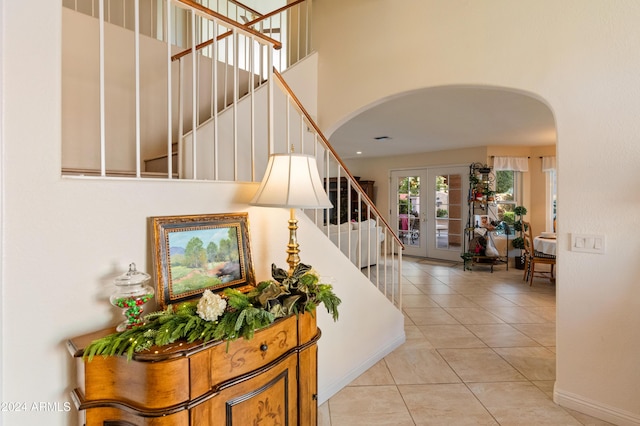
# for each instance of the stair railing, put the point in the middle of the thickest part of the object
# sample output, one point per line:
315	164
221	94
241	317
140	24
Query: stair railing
378	254
378	250
242	53
248	68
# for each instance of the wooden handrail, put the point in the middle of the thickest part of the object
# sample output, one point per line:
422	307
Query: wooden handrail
237	3
275	12
335	155
276	44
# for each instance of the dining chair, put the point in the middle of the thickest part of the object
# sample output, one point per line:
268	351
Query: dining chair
533	257
527	255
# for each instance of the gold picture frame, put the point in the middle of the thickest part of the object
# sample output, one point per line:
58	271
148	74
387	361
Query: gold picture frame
194	253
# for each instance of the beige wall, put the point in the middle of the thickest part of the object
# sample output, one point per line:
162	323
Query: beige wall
580	58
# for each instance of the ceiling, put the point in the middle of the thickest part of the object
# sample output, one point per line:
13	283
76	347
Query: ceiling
445	118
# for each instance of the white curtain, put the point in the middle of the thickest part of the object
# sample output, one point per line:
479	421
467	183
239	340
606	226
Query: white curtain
517	164
548	164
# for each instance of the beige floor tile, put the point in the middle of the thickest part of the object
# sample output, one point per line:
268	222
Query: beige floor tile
450	336
516	315
324	416
473	316
442	271
453	301
425	280
490	300
369	405
418	300
587	420
545	334
546	312
411	331
509	288
534	363
545	386
480	349
520	403
415	362
531	299
378	375
407	319
416	275
435	288
444	404
410	289
473	290
429	316
480	365
501	335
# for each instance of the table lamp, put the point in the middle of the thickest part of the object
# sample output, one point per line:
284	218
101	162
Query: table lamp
292	181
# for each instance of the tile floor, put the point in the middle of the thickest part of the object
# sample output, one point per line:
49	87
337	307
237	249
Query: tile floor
479	350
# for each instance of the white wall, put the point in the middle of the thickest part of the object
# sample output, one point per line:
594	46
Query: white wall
64	239
580	58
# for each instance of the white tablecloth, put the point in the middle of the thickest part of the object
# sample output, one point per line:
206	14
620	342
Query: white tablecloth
545	245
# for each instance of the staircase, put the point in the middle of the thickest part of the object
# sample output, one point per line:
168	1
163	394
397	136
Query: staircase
213	104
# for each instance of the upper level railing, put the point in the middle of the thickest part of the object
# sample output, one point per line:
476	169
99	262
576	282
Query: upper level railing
151	14
289	25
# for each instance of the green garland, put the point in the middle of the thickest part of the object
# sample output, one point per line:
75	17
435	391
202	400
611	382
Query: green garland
244	313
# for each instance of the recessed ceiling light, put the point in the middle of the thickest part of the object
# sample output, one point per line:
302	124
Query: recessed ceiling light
359	152
382	138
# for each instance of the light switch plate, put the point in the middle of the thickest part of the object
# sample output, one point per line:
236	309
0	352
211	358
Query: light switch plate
588	243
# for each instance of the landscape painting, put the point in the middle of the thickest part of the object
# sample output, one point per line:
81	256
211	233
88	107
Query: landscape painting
196	253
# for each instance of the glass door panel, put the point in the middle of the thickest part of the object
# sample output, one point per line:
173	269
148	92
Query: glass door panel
408	212
446	225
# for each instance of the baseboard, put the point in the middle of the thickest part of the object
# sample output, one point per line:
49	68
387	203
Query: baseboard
335	387
595	409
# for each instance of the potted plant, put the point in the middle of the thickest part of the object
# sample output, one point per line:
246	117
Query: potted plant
518	242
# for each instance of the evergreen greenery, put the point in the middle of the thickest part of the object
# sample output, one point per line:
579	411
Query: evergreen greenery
285	295
519	227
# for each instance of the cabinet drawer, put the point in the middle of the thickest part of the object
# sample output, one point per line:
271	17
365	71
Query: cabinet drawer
242	356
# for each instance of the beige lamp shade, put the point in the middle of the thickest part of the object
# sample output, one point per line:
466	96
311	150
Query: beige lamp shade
291	180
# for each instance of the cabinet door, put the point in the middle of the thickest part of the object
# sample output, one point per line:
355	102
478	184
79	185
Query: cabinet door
269	398
308	386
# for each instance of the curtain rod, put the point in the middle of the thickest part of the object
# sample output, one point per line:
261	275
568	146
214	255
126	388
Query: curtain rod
493	156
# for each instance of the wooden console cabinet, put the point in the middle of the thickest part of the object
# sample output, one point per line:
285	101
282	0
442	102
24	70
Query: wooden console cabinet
270	379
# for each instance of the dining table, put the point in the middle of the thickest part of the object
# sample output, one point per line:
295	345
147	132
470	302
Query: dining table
545	244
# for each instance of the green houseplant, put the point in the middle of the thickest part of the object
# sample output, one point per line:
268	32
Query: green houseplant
519	227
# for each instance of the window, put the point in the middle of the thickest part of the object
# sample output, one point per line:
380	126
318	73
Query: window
552	190
506	194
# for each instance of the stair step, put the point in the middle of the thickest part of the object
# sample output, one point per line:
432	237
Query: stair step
159	164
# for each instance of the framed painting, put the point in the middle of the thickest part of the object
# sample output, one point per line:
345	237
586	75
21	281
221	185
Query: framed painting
197	253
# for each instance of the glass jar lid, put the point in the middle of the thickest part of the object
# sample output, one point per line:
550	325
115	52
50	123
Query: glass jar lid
132	277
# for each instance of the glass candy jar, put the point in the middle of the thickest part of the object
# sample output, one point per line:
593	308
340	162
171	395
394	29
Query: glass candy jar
130	295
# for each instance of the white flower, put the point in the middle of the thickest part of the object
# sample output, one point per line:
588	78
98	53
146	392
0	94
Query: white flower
210	306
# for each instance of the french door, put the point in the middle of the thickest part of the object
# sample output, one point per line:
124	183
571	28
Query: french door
409	216
427	210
